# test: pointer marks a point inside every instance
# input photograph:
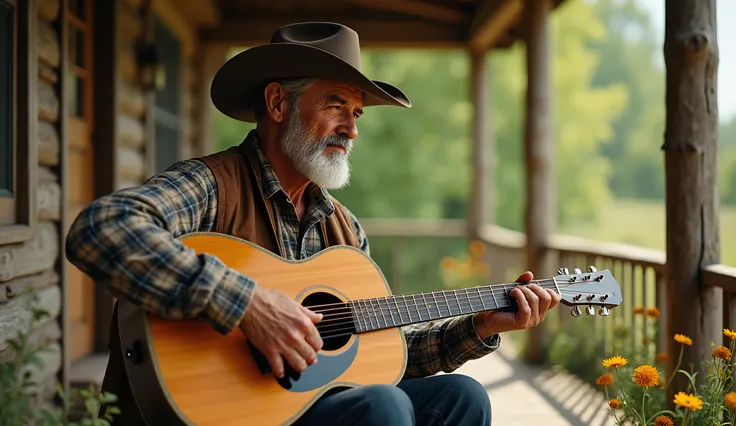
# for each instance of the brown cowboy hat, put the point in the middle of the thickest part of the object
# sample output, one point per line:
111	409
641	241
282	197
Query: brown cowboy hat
310	49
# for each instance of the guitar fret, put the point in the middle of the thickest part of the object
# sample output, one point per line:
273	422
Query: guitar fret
398	310
388	308
429	313
482	302
408	311
493	293
436	306
458	302
383	316
368	314
470	302
417	307
356	318
446	302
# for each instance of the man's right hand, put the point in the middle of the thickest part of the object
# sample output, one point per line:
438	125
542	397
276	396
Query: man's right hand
279	326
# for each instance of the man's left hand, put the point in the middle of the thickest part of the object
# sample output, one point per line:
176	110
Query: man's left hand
533	304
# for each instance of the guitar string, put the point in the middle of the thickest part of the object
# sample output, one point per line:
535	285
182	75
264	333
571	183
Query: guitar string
347	331
349	321
547	283
415	305
424	296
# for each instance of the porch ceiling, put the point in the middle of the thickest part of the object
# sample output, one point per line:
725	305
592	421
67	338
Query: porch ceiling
479	24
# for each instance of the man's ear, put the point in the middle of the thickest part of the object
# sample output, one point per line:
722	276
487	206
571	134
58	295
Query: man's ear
275	98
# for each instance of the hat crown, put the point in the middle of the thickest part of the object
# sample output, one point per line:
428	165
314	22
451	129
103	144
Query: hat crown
334	38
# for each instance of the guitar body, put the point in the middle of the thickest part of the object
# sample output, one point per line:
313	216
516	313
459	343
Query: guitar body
183	372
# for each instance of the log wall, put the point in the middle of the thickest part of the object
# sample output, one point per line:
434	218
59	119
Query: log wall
32	266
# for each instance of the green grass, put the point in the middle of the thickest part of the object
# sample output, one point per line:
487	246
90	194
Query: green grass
642	223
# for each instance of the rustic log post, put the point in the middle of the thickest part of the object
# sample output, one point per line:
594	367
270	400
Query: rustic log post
690	149
214	56
481	172
538	152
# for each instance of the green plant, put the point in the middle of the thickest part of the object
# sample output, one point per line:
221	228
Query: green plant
636	391
18	402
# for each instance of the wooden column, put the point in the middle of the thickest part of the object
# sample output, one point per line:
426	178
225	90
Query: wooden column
213	56
690	149
538	152
481	173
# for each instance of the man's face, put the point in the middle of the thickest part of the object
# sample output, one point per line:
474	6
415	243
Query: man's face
320	132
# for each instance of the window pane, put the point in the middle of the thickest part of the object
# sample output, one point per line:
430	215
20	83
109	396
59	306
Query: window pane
79	48
75	95
7	65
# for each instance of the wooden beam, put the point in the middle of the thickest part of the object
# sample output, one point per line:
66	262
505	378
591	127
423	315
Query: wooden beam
417	9
690	150
538	152
481	191
373	33
493	19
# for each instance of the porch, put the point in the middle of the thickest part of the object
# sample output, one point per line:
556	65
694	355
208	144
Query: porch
97	112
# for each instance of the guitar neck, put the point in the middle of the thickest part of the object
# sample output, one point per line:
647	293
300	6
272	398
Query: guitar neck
397	311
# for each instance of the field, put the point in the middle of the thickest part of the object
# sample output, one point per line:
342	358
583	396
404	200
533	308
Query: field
643	223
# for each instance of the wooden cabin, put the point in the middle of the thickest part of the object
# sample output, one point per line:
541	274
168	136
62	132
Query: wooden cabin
87	108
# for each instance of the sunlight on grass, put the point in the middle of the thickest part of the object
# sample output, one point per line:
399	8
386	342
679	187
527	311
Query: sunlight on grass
642	223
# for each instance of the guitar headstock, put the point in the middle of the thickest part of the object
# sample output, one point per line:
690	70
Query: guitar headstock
589	289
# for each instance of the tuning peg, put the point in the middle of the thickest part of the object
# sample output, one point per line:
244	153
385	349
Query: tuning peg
592	269
590	311
604	311
561	271
576	312
565	271
577	271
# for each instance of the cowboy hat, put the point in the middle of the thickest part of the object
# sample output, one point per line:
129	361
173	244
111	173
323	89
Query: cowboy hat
310	49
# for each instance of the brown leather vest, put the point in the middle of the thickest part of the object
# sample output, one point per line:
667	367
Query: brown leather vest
242	211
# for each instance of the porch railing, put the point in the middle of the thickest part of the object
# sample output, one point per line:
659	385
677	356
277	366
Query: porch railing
639	271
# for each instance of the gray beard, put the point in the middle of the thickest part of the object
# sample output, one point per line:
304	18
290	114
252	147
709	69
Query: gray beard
307	154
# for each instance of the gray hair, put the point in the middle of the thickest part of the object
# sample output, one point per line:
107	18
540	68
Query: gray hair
294	88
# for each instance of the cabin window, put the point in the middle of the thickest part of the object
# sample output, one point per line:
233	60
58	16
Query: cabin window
16	192
167	112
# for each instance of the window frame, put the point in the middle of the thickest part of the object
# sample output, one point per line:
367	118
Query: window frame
24	134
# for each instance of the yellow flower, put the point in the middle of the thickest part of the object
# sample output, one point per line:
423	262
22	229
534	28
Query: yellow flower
604	380
476	249
729	333
681	338
646	376
662	358
614	403
730	400
448	263
614	361
653	312
663	421
638	310
722	352
688	401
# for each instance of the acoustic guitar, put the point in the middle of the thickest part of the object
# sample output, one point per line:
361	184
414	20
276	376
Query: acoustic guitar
183	372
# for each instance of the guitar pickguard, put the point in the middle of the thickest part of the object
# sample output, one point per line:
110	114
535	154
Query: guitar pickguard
328	368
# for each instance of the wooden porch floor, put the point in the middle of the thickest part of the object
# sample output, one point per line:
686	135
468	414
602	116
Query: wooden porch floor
525	395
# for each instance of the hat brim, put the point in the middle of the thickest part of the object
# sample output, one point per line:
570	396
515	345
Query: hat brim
237	84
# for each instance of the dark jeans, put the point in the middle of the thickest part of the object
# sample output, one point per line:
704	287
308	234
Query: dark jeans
444	400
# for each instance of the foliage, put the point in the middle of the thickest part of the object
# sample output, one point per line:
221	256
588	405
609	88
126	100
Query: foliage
18	404
636	390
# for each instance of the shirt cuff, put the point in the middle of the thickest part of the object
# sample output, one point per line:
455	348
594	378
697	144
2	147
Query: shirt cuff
492	342
228	301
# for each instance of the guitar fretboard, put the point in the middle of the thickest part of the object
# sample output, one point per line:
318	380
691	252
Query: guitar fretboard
396	311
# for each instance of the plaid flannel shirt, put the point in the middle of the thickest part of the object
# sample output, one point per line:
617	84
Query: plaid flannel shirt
127	241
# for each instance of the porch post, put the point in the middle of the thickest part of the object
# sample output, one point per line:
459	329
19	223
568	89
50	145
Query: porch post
213	56
481	173
540	214
690	152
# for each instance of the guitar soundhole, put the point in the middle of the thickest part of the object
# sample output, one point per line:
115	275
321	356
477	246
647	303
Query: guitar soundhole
337	325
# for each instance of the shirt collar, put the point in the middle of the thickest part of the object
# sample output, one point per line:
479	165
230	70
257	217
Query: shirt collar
318	196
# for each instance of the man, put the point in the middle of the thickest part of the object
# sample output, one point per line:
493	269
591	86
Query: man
305	91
